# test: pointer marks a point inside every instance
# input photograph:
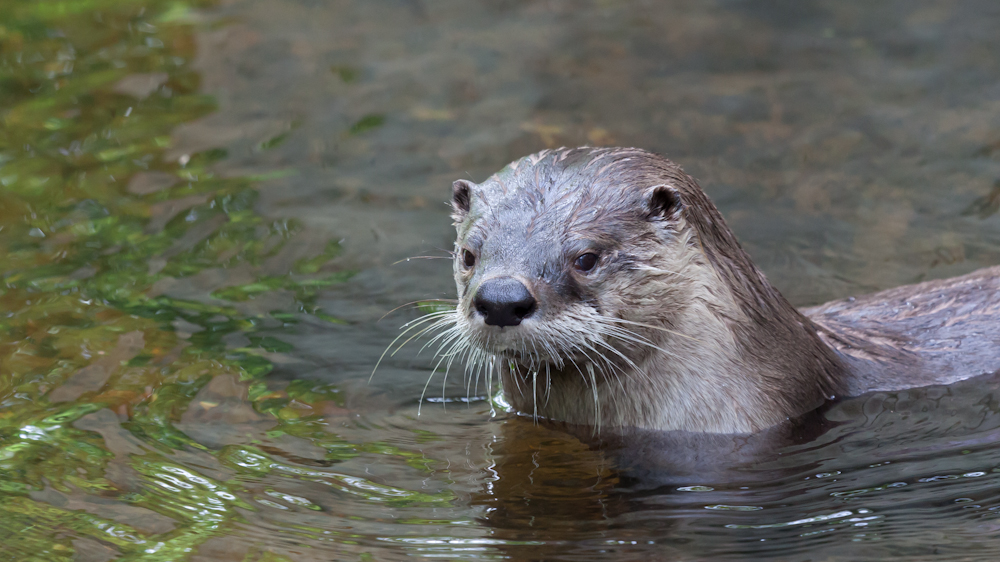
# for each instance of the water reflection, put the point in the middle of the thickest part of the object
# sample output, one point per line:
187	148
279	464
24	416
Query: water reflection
865	486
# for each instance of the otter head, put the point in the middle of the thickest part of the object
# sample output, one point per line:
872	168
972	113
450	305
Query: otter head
555	249
606	289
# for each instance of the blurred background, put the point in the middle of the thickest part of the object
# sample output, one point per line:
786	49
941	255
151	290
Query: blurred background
208	208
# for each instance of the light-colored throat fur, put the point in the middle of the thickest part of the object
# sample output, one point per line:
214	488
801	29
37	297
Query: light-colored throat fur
701	370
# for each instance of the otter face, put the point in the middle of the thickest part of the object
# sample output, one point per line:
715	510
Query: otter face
553	260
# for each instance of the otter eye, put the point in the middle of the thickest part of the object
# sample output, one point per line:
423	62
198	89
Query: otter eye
468	258
586	262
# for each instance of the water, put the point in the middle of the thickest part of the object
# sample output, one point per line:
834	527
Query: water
208	207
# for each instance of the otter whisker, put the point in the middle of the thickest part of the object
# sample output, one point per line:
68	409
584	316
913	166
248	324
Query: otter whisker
442	320
652	327
551	354
437	320
468	357
608	368
612	331
516	371
456	335
420	403
481	372
604	373
548	384
611	369
584	377
446	334
534	380
597	402
426	318
613	349
491	365
473	366
611	327
449	338
413	324
533	369
447	367
453	330
636	371
551	351
598	354
422	258
628	361
534	396
456	343
662	271
411	303
636	339
485	360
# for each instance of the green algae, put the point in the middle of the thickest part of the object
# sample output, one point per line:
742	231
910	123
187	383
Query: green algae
367	123
101	233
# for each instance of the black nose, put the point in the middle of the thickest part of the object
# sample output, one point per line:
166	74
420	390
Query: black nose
504	301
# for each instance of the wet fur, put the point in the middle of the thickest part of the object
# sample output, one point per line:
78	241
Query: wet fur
675	329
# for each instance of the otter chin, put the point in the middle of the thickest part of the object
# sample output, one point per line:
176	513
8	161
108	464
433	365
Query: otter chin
603	288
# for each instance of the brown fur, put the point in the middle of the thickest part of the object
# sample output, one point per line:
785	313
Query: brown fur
676	328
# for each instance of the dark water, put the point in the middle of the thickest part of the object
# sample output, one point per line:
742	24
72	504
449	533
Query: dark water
206	208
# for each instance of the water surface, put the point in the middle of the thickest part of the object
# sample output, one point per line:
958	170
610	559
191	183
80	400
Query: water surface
206	209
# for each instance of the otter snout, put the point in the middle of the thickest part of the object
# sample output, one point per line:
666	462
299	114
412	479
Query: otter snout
504	301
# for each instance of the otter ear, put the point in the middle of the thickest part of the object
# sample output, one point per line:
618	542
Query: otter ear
461	199
663	202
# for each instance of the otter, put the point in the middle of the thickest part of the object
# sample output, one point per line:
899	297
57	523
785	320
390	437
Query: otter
604	289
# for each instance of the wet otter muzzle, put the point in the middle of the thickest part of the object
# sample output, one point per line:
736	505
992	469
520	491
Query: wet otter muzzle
504	301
